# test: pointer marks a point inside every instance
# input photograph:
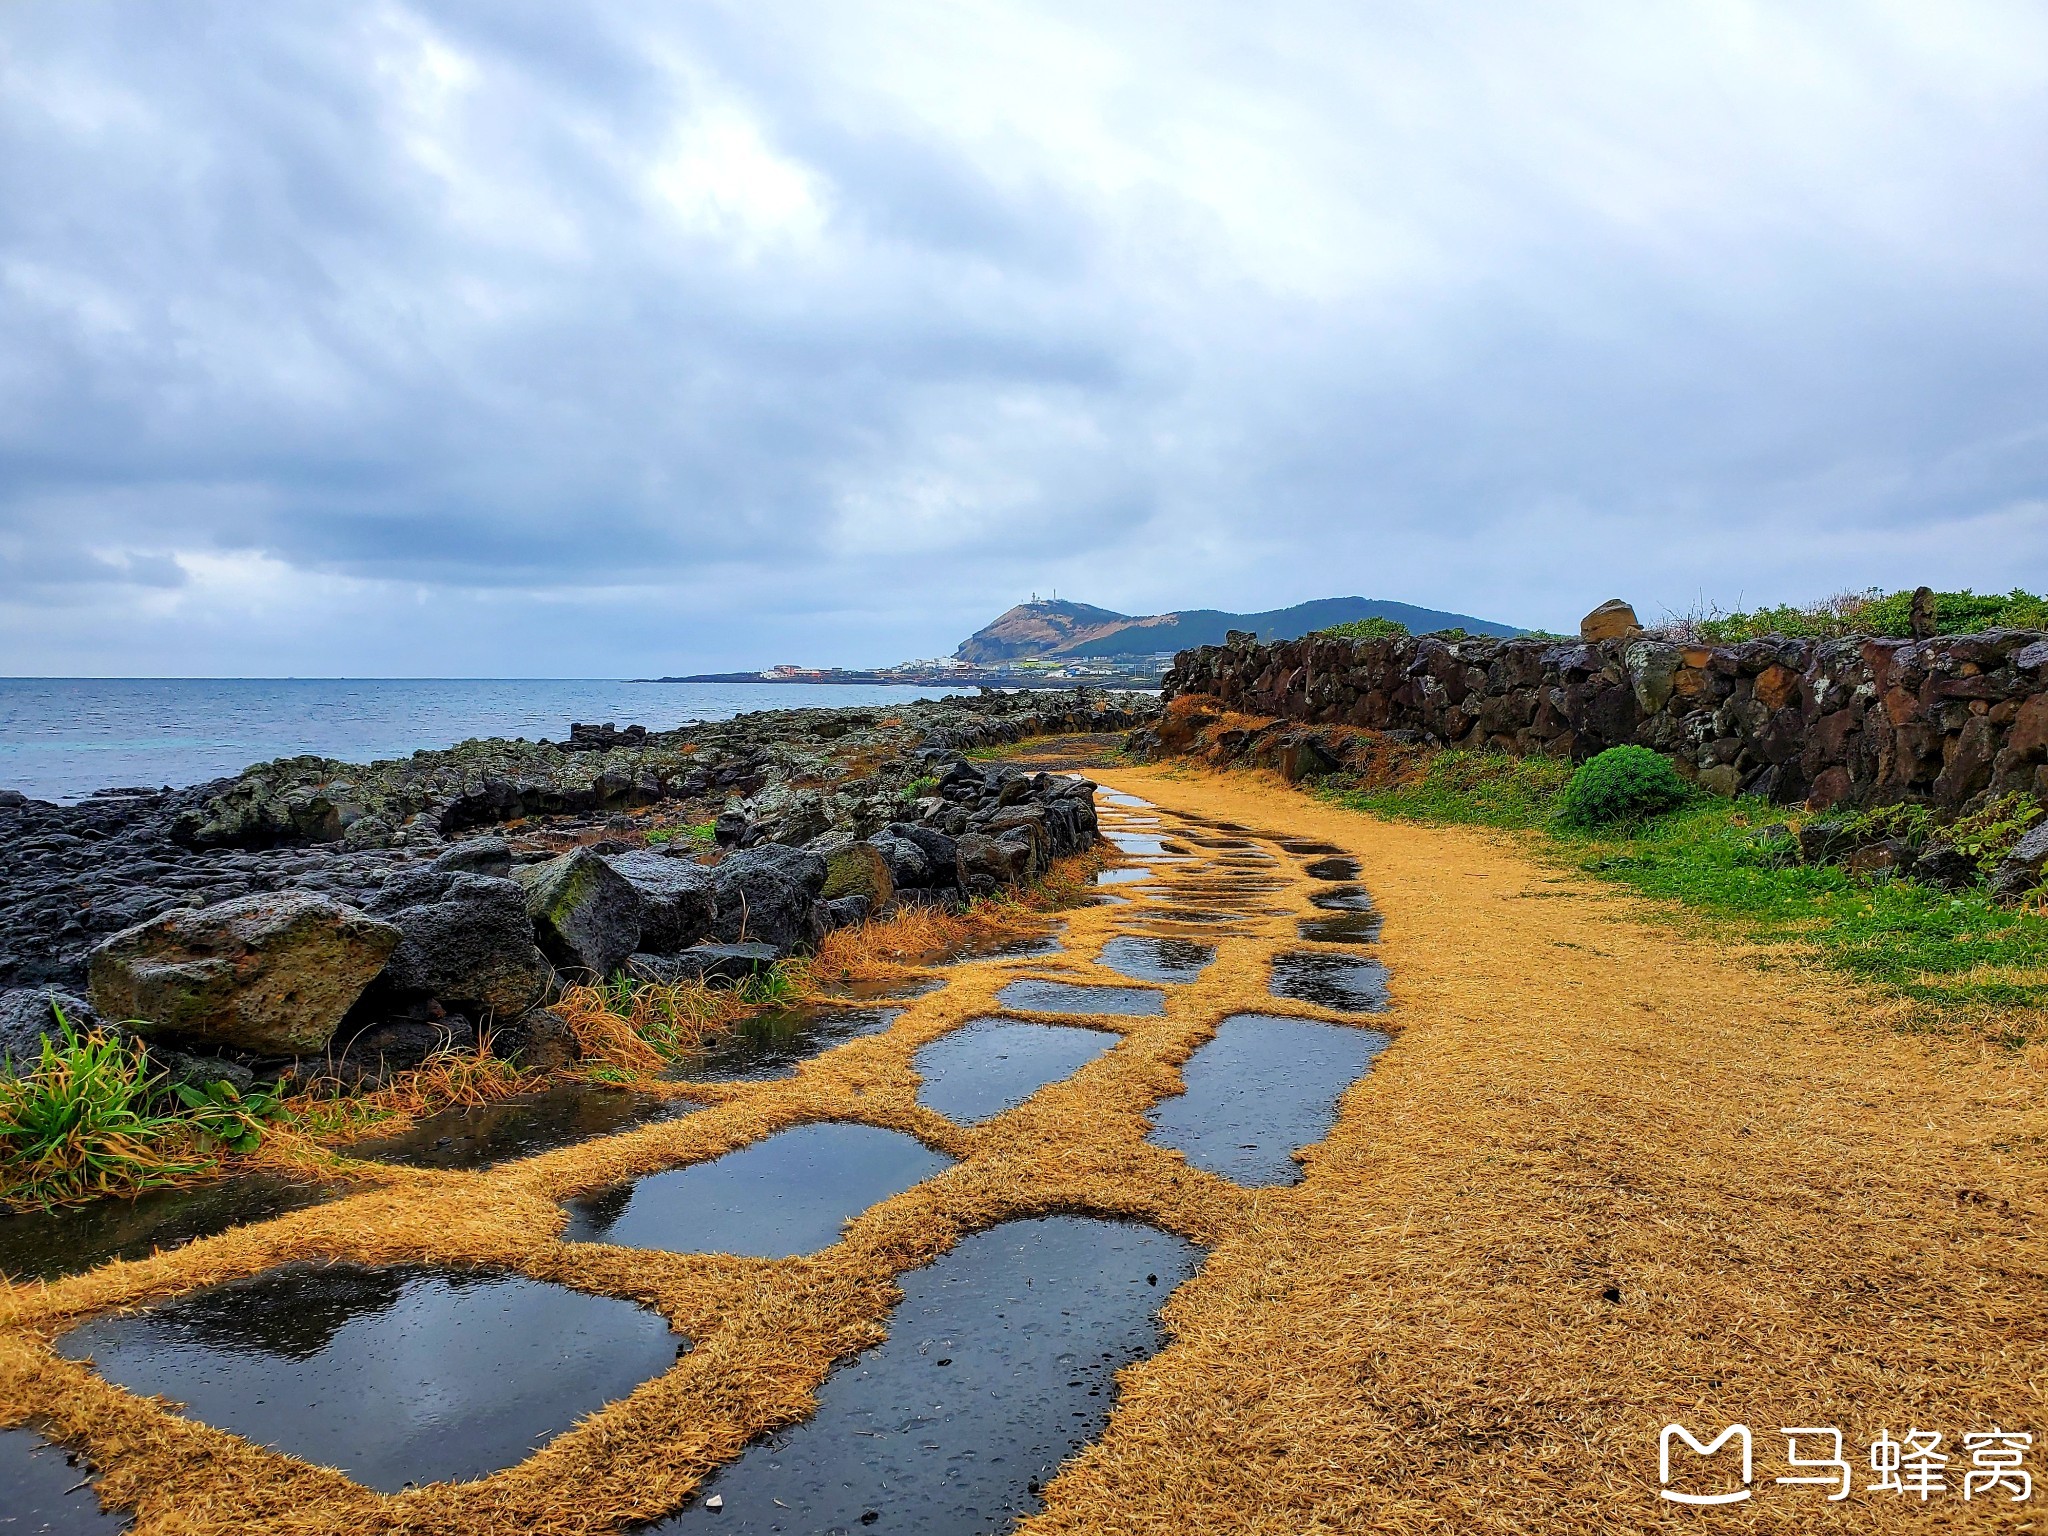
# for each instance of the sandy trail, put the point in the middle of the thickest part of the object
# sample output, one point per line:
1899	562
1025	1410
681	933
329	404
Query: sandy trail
1606	1177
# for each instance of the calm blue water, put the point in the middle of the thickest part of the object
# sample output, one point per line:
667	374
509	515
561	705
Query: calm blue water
61	738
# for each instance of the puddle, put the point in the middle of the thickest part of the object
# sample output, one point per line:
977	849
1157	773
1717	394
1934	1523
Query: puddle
1075	997
1299	845
882	991
787	1195
990	1065
1180	914
1331	869
44	1493
395	1376
1351	928
1168	960
1259	1091
478	1136
1121	876
1008	949
1343	982
1137	842
1000	1364
40	1245
1345	898
1118	797
769	1045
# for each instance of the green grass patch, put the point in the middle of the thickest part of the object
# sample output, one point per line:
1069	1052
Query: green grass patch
89	1118
703	832
1948	949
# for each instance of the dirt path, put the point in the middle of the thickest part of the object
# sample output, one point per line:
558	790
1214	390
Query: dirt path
1606	1178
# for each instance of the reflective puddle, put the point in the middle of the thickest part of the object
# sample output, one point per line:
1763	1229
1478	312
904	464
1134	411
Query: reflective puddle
1118	797
488	1133
1168	960
44	1492
990	1065
1137	842
770	1045
1074	997
999	1365
39	1245
1126	876
1332	869
1345	898
395	1376
787	1195
1262	1089
1302	845
1351	928
1342	982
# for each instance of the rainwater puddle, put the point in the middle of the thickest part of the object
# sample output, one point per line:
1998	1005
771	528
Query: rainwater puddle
1351	928
1074	997
1345	898
1344	982
395	1376
882	991
1300	845
1128	876
1331	869
1000	1364
769	1045
1137	842
490	1133
1180	914
1008	949
990	1065
1261	1090
1118	797
787	1195
1168	960
41	1492
39	1245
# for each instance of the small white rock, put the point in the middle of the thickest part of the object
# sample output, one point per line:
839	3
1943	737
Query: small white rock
716	1501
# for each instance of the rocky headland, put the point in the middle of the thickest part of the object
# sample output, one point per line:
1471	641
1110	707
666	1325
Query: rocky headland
366	914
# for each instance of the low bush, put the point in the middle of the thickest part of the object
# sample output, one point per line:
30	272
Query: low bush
1872	612
1366	629
1622	784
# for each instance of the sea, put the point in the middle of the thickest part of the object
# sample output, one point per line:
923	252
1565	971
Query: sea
63	738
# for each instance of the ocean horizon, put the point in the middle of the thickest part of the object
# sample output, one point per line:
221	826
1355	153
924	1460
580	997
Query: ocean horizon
65	738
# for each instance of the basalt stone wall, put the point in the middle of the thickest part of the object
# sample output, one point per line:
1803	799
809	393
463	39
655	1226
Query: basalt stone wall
1856	721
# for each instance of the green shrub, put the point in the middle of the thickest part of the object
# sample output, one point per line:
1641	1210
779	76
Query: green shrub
1366	629
1874	612
1621	784
917	789
82	1122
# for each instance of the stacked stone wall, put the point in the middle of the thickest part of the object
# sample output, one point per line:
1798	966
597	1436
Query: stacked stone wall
1856	721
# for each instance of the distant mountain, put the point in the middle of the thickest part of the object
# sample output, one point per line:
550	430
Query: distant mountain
1075	629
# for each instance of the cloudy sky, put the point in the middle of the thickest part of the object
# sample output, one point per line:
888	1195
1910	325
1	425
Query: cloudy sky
514	338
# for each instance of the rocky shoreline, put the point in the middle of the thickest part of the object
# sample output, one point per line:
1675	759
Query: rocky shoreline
366	915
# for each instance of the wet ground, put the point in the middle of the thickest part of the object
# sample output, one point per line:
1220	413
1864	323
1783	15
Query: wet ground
484	1134
787	1195
1260	1091
1000	1361
990	1065
396	1376
40	1245
47	1491
1000	1364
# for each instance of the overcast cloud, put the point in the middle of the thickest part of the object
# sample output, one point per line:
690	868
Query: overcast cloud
513	338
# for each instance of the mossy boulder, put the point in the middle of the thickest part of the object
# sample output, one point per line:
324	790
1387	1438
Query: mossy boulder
586	915
271	974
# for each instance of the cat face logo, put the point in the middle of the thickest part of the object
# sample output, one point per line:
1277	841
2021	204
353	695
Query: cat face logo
1679	1431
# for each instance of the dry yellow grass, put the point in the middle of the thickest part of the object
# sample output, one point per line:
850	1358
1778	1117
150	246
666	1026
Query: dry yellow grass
1806	1220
